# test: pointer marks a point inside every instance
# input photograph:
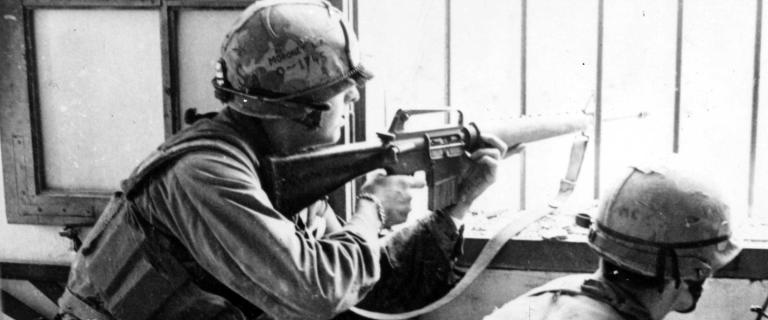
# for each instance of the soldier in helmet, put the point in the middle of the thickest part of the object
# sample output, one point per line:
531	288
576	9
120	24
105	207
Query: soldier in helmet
659	233
193	234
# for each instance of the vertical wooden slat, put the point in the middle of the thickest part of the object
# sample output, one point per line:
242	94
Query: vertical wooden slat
14	117
755	108
36	183
523	103
599	96
447	53
342	199
678	74
168	36
359	109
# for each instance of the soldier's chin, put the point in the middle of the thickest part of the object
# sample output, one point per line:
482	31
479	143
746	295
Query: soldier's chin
695	289
689	309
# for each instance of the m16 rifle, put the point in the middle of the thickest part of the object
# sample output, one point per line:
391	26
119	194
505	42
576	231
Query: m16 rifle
296	181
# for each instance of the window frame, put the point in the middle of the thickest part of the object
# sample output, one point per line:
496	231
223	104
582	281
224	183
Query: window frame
27	199
577	256
562	256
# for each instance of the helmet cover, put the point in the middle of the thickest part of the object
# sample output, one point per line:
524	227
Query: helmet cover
282	59
665	221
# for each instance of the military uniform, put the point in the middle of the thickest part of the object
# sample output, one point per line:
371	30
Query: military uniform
573	297
205	211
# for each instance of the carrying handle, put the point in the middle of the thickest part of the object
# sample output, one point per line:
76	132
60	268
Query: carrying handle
402	116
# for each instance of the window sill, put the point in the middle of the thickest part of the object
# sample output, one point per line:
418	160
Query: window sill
556	244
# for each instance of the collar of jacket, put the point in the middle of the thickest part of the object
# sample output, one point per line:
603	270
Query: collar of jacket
618	298
250	129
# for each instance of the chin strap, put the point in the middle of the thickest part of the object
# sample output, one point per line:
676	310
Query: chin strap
492	247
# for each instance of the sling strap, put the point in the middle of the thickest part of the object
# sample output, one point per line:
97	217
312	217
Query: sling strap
492	247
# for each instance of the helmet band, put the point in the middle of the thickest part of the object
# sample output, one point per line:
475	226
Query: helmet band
664	249
599	227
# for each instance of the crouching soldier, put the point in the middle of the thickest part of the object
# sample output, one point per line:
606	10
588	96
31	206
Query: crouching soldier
659	233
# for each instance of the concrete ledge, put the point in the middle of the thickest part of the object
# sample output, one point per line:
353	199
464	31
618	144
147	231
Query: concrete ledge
568	256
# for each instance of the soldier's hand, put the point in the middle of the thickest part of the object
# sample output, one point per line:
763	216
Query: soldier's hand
481	174
394	192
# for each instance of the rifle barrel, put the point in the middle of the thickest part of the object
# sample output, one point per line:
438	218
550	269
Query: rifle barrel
529	129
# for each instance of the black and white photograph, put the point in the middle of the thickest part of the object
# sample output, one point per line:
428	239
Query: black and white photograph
391	159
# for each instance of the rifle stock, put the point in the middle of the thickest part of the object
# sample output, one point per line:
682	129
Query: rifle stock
296	181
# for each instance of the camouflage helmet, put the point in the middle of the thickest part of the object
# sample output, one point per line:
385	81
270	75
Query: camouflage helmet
665	221
285	58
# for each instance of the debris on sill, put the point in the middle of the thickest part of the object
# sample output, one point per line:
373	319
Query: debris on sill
753	232
558	225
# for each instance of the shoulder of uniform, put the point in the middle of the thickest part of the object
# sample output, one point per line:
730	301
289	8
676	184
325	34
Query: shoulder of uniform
213	161
566	283
554	306
583	308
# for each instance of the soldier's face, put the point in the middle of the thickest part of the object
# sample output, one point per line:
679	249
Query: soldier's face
336	117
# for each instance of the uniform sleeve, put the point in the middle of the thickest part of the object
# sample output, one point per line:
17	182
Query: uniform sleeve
216	207
417	266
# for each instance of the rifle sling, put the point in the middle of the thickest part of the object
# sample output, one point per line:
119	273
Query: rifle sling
492	247
568	183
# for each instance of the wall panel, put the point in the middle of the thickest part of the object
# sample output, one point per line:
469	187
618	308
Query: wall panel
561	77
716	90
639	48
200	34
404	43
100	94
486	82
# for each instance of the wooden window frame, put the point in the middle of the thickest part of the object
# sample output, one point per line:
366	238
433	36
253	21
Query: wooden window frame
27	199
